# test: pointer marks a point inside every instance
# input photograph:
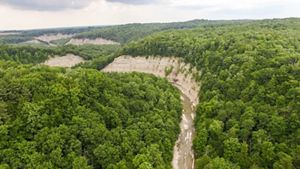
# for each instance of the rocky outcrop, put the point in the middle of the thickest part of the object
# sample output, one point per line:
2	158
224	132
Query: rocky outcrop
180	75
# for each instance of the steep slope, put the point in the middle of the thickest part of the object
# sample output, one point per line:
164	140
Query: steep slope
181	76
249	113
91	56
97	41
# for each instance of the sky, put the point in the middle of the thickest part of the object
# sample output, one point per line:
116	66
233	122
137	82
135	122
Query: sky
33	14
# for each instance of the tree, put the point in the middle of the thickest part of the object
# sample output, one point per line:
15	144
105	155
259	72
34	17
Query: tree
232	149
284	162
81	163
218	163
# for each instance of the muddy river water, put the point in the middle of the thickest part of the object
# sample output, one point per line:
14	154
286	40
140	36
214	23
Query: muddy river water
183	155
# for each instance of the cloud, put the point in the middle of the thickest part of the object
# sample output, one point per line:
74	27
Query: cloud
194	7
223	4
263	11
39	13
134	2
47	5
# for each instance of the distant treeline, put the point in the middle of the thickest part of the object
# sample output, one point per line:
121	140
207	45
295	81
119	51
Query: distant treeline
118	33
130	32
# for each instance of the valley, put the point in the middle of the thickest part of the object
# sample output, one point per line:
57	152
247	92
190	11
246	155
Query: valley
179	76
200	94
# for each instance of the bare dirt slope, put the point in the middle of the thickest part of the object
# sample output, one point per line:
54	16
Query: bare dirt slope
68	60
180	74
50	37
97	41
35	41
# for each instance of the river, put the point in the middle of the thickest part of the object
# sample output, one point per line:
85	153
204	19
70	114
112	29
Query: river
183	155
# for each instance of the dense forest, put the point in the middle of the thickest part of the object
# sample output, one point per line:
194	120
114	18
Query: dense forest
130	32
248	115
81	119
249	110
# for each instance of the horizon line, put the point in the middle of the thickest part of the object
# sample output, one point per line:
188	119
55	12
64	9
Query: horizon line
128	23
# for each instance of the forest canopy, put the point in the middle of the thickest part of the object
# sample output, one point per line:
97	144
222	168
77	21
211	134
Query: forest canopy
57	118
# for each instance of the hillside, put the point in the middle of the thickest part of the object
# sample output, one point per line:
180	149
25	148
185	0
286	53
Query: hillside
112	34
95	56
179	74
130	32
243	77
249	111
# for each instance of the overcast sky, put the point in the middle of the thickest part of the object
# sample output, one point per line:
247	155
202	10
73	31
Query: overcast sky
28	14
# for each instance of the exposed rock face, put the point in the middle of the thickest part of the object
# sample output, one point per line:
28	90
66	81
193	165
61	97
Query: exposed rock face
50	37
31	42
97	41
181	76
68	60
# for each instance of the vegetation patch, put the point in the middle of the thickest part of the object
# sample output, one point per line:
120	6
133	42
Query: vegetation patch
168	70
53	118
